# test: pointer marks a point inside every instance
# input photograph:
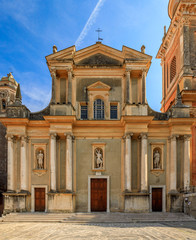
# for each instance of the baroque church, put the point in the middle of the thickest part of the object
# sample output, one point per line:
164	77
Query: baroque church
98	146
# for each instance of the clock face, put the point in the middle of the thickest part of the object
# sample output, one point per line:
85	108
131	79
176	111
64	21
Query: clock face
3	94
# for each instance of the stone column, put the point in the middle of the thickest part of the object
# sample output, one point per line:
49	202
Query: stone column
186	162
128	162
53	162
23	164
144	162
69	177
127	86
10	164
173	164
143	86
69	85
53	75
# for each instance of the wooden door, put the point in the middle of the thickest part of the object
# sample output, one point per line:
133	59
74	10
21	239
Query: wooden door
40	199
157	199
98	195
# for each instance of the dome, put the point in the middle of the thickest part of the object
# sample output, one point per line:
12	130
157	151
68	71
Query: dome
172	7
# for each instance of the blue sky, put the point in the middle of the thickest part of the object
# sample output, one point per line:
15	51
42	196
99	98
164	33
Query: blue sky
29	29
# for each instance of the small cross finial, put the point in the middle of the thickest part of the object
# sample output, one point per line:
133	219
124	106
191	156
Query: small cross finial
98	31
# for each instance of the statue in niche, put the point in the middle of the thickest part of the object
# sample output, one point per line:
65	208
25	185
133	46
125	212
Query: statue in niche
156	159
40	160
99	158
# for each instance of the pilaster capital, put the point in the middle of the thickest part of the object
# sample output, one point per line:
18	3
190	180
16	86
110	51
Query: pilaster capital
53	136
173	137
143	136
53	72
69	136
128	135
10	138
144	71
187	137
24	139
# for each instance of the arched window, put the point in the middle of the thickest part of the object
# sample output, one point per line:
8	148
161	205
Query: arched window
173	69
98	109
3	104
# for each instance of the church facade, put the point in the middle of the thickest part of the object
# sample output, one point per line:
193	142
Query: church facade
98	146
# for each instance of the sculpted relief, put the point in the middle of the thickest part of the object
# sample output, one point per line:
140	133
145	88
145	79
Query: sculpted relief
157	164
40	159
98	157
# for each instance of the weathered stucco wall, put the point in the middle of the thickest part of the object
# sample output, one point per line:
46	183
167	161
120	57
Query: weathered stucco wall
84	169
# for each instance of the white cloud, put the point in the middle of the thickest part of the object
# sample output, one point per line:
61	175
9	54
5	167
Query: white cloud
19	10
89	23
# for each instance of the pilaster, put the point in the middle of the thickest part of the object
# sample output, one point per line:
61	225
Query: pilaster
128	162
144	86
10	164
144	162
187	162
53	75
69	162
173	164
53	162
23	164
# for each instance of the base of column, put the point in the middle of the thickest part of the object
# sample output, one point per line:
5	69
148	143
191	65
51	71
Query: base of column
173	192
15	202
175	201
137	202
61	202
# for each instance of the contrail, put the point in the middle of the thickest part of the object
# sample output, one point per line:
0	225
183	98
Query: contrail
89	23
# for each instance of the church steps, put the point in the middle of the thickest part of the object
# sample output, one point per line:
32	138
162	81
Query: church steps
97	217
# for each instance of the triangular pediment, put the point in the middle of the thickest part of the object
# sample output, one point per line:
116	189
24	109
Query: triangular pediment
132	54
98	86
99	59
65	54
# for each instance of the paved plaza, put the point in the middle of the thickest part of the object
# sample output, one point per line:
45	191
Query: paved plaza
97	226
55	231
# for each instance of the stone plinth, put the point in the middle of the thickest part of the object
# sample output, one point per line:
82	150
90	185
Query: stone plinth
136	202
61	202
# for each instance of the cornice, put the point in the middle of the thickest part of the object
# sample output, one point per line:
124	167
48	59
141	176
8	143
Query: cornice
185	11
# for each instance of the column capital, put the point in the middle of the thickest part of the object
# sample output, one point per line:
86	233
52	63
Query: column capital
143	135
127	135
128	69
10	137
53	135
173	137
53	72
24	138
144	70
187	137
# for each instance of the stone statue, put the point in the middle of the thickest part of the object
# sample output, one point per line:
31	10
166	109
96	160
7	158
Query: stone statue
40	160
156	160
99	158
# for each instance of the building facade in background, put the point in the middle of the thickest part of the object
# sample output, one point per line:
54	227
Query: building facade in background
98	146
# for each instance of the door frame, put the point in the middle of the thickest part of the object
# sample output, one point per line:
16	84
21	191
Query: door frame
33	196
89	190
163	196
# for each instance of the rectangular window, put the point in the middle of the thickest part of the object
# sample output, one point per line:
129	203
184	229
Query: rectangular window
84	112
113	111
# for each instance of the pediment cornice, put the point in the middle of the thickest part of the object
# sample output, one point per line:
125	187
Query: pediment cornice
99	86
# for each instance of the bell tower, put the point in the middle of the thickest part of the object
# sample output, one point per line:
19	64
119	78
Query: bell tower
178	60
178	55
8	87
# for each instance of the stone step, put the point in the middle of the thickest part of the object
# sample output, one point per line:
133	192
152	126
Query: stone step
97	217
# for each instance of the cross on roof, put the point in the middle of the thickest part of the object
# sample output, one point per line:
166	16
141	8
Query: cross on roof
98	31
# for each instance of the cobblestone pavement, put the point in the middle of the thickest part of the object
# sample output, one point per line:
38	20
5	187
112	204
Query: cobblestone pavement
121	231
